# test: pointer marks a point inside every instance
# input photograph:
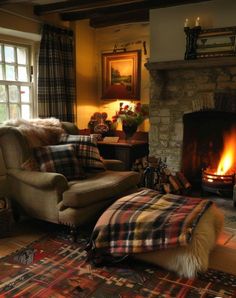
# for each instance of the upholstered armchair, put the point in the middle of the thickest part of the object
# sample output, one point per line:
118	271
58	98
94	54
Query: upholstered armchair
50	196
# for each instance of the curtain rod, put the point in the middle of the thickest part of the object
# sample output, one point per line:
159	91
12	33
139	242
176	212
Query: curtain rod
20	15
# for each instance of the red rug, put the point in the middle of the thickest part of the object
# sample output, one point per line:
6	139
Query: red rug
55	267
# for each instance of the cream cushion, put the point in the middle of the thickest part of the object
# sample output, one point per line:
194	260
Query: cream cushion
98	187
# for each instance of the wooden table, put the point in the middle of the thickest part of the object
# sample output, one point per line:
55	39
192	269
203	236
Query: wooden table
126	151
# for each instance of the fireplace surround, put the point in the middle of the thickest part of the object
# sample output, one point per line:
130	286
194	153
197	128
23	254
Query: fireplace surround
179	89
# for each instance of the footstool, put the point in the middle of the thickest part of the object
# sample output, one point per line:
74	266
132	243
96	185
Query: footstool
172	231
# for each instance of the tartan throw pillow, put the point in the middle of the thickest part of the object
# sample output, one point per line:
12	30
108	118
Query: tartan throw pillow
87	151
59	159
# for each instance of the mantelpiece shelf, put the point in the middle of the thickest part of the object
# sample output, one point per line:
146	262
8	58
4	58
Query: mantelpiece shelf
187	64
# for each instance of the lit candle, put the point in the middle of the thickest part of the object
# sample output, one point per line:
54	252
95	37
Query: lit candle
186	23
197	23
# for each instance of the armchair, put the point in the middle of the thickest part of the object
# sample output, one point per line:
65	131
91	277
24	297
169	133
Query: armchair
50	196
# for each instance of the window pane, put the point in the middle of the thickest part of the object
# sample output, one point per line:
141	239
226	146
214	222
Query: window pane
14	111
24	91
9	54
1	74
21	56
25	111
22	74
3	93
10	73
0	52
13	93
3	113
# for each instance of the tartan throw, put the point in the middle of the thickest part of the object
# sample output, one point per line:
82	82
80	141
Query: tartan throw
146	221
59	159
87	151
56	74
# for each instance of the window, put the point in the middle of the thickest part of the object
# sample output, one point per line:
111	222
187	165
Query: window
15	82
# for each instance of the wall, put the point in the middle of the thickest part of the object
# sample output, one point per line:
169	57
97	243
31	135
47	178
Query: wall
130	36
167	37
86	73
90	44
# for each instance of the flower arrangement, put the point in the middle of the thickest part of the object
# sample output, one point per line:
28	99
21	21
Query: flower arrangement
132	114
99	123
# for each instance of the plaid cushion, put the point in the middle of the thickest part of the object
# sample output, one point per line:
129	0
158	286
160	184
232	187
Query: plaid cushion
59	159
87	150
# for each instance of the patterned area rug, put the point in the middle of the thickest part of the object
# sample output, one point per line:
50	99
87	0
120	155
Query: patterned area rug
55	267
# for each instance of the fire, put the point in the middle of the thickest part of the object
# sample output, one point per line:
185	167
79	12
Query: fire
227	160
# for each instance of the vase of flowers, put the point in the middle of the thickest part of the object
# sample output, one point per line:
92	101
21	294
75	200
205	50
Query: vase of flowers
131	116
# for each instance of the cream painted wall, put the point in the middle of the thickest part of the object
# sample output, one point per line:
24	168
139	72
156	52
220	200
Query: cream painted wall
167	35
86	73
13	21
130	36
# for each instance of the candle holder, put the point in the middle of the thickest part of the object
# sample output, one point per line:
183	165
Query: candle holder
191	42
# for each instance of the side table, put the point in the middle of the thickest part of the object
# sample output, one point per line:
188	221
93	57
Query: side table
126	151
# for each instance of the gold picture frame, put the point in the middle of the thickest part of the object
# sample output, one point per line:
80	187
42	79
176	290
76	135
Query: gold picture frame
216	42
122	68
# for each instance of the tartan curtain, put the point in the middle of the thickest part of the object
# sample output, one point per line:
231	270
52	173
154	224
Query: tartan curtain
56	75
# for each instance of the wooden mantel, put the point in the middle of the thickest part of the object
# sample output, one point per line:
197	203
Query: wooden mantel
191	64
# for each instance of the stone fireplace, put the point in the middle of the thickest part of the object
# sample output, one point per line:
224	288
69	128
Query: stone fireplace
181	88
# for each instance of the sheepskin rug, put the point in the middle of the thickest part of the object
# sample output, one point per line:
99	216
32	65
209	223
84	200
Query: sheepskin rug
188	260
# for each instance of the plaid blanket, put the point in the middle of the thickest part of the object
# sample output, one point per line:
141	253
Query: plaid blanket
146	221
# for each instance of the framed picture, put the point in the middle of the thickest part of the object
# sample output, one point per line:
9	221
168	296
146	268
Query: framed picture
216	42
206	43
122	68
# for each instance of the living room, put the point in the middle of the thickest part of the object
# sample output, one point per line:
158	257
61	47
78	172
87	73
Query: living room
171	84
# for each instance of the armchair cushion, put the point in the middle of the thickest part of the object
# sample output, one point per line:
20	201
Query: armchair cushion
60	159
87	151
98	187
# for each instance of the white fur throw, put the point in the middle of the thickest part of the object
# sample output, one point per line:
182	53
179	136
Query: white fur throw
188	260
39	132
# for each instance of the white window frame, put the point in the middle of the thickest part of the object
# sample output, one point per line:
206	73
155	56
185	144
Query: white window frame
31	71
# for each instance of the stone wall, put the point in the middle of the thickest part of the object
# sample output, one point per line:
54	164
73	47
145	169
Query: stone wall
174	92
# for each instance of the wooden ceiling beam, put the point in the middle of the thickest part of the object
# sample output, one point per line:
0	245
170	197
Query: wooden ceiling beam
116	19
77	5
106	11
83	5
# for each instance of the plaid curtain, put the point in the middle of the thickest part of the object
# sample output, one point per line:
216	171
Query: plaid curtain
56	75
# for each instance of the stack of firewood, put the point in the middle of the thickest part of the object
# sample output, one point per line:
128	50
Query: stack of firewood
156	175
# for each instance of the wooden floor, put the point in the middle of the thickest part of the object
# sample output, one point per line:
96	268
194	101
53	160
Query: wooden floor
223	257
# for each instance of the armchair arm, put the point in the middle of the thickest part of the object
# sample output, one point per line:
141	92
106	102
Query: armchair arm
114	165
40	179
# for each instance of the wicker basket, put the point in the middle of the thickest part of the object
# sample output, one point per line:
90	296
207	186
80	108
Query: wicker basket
6	219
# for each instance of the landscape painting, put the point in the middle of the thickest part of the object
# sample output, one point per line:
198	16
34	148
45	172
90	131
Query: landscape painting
122	68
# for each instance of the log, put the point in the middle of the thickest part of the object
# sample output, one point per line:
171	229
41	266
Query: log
167	188
183	180
167	172
175	184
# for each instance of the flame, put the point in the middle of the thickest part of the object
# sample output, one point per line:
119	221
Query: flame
227	160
